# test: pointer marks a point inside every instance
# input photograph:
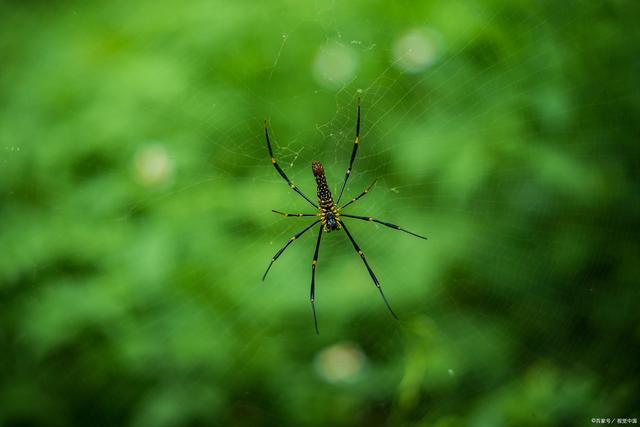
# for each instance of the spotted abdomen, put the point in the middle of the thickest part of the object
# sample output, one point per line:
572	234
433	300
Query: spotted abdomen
324	194
328	210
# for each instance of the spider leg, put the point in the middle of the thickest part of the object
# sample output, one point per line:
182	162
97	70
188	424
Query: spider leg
366	190
280	171
313	281
386	224
294	214
353	154
373	276
275	257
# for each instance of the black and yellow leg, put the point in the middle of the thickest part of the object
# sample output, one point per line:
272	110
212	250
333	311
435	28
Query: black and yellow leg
312	296
294	214
386	224
366	190
291	240
280	171
366	264
353	154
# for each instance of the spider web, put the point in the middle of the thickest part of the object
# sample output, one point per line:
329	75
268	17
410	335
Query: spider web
479	136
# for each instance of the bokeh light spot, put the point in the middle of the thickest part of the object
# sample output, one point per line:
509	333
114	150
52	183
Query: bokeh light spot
153	165
334	65
416	50
340	362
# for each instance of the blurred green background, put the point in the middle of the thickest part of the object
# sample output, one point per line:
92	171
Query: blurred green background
136	189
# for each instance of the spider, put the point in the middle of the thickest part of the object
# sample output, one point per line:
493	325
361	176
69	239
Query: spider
329	215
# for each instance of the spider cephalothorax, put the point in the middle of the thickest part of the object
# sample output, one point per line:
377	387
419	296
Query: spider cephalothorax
330	216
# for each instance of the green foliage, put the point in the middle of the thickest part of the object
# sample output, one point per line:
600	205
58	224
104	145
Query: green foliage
135	198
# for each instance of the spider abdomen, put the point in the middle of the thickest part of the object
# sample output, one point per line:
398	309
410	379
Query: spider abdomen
328	211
